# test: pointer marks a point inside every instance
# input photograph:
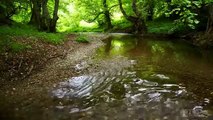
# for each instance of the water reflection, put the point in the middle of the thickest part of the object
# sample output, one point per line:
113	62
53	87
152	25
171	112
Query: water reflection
163	82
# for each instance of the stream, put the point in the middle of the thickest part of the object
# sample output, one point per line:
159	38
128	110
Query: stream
140	79
129	78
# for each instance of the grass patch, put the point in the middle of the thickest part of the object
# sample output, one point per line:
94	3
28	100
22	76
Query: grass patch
6	44
8	33
82	39
17	47
22	30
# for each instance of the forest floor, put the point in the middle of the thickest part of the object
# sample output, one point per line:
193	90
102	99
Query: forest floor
20	65
26	75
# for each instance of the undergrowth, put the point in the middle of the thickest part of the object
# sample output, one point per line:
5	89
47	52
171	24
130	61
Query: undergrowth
7	33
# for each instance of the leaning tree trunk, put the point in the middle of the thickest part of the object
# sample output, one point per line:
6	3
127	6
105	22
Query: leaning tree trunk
138	22
53	21
107	15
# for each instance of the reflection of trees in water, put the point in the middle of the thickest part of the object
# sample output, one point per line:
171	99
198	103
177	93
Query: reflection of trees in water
182	63
118	46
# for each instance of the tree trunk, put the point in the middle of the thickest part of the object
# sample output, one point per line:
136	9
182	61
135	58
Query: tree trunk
40	15
36	13
52	27
138	22
209	28
45	21
107	15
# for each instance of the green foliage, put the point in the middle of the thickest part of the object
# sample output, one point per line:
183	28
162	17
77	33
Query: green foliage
185	10
121	24
23	14
82	39
160	8
76	16
70	13
73	15
163	26
67	16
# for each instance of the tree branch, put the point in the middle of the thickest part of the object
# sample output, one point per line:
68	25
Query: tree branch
90	21
134	8
122	10
113	6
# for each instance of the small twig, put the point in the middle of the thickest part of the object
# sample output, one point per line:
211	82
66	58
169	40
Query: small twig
30	70
20	64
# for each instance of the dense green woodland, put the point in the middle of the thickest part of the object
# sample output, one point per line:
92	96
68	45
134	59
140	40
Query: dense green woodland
57	60
135	16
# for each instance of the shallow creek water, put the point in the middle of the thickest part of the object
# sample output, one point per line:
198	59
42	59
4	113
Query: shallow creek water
129	78
142	79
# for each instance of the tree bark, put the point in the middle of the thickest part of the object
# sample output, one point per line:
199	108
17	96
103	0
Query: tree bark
209	28
53	22
107	15
45	21
40	15
36	13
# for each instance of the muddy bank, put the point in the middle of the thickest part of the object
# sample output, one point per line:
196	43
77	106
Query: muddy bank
23	93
